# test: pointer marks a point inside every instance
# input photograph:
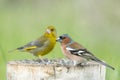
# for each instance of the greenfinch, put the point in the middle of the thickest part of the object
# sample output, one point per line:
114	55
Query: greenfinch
43	45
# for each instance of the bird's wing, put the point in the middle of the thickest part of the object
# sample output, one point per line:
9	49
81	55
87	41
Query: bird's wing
79	50
82	53
34	44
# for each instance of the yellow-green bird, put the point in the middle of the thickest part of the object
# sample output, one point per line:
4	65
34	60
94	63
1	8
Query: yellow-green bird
43	45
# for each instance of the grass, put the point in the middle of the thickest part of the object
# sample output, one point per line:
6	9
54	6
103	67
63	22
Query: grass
95	26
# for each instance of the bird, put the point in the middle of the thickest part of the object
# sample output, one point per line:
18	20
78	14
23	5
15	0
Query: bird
42	45
76	52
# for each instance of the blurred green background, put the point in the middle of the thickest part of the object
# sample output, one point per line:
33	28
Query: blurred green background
94	23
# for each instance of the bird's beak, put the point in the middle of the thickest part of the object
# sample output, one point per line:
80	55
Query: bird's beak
48	31
59	40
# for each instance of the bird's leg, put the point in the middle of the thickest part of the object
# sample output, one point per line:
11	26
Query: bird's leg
41	59
75	63
82	63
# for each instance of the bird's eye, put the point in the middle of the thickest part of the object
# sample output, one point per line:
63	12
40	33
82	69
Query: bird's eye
61	37
52	29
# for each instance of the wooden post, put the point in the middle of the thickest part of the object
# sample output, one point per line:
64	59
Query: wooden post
54	70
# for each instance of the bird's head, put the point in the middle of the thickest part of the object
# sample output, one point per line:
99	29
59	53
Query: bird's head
65	38
51	31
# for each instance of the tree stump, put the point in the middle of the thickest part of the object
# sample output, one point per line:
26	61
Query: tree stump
54	70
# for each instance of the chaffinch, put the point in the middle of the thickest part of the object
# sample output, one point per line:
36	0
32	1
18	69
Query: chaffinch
43	45
76	52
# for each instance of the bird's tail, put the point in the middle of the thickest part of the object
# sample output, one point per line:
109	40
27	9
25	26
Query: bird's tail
12	50
17	49
103	63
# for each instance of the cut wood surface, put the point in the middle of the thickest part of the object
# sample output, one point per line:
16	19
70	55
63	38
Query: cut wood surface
54	70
